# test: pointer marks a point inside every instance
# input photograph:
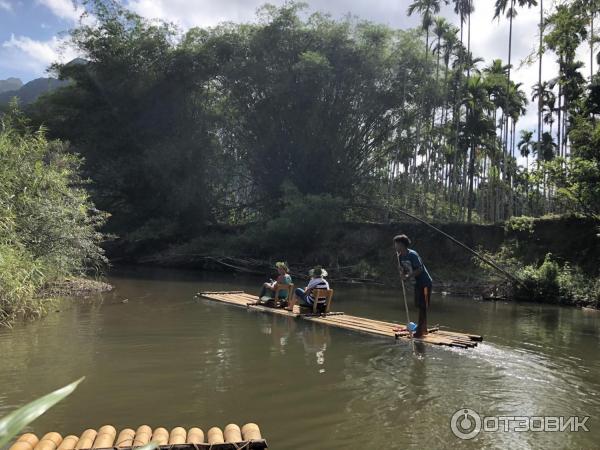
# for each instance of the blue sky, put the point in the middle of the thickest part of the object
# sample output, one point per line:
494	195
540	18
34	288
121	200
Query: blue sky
30	30
29	36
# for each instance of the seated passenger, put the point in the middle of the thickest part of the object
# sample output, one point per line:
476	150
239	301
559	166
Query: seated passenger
304	297
267	292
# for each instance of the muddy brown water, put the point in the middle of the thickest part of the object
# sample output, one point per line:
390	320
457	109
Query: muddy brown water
167	359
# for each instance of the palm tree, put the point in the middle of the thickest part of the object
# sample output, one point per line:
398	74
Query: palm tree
546	100
525	148
427	9
546	151
478	129
591	9
501	7
540	56
567	31
525	145
440	29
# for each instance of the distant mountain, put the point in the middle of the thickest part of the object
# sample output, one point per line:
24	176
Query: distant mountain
10	84
29	92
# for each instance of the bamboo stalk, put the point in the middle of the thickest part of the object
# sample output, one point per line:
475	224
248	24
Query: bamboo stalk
106	437
125	438
26	441
215	436
232	433
250	432
177	436
160	436
86	439
69	443
142	435
195	436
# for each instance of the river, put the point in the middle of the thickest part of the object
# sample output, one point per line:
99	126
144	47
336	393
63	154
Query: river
152	353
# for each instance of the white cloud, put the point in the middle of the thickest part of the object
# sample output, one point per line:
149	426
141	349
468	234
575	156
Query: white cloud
64	9
205	13
189	14
21	52
5	4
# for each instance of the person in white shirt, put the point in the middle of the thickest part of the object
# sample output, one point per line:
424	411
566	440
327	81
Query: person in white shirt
304	297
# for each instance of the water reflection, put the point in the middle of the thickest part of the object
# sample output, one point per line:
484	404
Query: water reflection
315	339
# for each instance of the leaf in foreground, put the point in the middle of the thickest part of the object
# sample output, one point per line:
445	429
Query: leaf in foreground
149	446
12	424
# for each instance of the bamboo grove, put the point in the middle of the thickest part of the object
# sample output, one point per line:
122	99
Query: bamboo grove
219	125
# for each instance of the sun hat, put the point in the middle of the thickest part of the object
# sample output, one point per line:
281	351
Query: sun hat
282	265
317	271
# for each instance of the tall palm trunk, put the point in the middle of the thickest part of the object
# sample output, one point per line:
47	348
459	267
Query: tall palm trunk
592	12
539	133
559	111
456	117
507	175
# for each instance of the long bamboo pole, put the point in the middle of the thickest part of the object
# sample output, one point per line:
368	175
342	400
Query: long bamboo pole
469	249
400	272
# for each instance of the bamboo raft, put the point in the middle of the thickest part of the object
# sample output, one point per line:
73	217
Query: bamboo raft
232	437
348	322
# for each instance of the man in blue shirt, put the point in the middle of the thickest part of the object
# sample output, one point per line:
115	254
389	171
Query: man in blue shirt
411	266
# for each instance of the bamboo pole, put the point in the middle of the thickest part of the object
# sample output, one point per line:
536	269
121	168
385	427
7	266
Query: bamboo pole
177	436
469	249
195	436
106	437
232	433
142	435
26	441
160	436
86	439
215	436
250	432
49	441
125	438
69	443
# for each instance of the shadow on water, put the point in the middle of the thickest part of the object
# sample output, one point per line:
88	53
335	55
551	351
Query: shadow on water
152	354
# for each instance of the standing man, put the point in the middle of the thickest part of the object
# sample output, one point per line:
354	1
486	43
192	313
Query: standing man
411	266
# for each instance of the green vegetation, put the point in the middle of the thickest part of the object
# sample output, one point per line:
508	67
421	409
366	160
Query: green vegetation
289	126
16	421
548	281
180	131
48	224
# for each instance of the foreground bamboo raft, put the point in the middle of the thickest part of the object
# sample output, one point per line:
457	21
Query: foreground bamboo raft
232	437
345	321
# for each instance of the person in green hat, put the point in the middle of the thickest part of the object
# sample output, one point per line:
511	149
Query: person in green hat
269	288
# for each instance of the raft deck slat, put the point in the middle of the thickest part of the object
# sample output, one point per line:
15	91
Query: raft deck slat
348	322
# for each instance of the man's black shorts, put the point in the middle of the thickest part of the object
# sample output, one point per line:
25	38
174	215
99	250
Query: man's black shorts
422	296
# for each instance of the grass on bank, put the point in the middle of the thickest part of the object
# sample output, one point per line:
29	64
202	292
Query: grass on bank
48	224
549	281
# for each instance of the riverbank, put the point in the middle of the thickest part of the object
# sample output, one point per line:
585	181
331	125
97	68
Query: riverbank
362	252
74	287
36	305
